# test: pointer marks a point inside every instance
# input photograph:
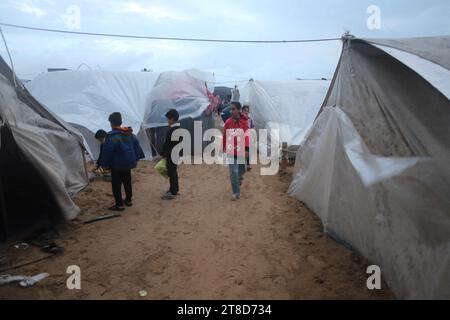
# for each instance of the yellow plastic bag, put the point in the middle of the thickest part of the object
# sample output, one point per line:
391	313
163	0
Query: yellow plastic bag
161	167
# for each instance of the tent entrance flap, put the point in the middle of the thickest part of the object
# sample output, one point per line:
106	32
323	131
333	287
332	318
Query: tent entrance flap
27	201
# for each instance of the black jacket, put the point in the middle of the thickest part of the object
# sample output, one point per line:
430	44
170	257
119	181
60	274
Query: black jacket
100	156
169	144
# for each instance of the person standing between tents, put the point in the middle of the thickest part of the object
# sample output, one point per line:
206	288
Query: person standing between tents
100	136
172	120
236	147
251	125
214	101
235	94
121	152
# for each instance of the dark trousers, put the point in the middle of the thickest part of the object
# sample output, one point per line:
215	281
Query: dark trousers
119	177
173	177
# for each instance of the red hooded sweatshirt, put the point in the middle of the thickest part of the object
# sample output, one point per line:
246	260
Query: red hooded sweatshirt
235	136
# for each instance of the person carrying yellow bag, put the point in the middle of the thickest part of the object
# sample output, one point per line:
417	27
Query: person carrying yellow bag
161	167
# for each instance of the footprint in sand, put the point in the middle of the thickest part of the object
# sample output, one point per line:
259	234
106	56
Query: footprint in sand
316	262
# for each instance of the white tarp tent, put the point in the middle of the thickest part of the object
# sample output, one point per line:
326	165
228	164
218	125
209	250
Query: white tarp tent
184	91
44	142
181	90
290	106
86	99
375	165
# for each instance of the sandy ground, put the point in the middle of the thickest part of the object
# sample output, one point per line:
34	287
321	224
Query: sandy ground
200	246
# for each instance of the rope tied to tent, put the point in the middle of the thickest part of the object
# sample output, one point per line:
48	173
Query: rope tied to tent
9	55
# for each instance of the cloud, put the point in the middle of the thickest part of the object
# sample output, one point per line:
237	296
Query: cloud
226	12
135	46
30	9
155	12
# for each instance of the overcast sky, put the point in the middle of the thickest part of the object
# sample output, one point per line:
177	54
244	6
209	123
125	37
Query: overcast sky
33	52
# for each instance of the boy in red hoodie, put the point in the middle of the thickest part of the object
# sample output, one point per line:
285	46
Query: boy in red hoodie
236	147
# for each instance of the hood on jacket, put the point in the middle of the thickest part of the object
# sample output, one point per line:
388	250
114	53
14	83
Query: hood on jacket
122	130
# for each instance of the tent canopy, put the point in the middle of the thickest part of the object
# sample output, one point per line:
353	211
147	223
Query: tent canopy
87	98
289	106
38	144
434	49
181	90
184	91
374	166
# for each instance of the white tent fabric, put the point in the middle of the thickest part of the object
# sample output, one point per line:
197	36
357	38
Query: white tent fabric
87	98
181	90
374	166
289	106
53	150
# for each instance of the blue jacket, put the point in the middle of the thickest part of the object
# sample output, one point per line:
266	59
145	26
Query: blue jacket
225	114
121	150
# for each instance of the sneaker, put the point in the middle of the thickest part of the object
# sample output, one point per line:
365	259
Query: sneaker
235	197
128	203
168	196
116	208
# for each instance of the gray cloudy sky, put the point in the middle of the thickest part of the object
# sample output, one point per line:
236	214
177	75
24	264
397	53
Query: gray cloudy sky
33	52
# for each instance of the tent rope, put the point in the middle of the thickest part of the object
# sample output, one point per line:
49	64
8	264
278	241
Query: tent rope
166	38
9	55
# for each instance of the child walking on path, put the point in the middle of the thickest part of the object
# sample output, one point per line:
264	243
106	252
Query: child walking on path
236	147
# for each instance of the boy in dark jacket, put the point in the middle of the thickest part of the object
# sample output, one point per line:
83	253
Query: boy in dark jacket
121	152
172	120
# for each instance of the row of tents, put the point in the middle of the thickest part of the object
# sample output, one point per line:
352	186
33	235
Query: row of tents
373	146
86	98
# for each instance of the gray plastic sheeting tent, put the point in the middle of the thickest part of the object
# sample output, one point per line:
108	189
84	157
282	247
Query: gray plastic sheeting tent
375	165
35	141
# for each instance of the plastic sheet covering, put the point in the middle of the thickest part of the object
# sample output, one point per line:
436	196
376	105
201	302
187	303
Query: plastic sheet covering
289	106
435	74
51	148
184	91
375	169
87	98
434	49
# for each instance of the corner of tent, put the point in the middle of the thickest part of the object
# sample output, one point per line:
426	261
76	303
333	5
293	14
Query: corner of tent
41	163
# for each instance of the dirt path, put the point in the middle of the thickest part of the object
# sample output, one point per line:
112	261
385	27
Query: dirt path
201	246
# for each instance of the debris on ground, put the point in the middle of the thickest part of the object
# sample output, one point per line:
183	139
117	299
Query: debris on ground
143	293
24	281
22	246
100	218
